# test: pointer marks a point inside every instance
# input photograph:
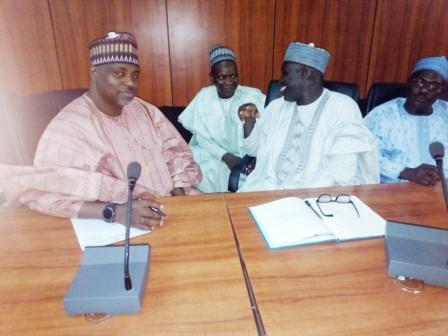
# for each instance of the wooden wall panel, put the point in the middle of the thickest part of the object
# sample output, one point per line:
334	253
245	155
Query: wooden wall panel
77	22
405	31
343	27
27	48
196	25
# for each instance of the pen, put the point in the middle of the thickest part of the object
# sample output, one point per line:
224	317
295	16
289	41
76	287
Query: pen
158	211
311	207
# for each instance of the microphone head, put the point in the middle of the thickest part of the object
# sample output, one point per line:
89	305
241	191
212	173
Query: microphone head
437	150
134	170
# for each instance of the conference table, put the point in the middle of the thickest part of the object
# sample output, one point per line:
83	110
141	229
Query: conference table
196	284
341	288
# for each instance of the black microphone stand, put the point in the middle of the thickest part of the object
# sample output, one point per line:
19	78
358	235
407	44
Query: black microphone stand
439	163
127	277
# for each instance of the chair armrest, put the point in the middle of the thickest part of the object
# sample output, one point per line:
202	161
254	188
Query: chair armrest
246	165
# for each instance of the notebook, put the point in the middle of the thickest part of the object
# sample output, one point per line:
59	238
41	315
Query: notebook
95	232
290	222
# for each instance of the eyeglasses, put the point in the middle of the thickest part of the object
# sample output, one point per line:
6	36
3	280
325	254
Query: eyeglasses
420	83
342	198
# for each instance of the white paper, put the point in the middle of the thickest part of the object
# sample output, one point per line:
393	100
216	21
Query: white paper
345	223
96	232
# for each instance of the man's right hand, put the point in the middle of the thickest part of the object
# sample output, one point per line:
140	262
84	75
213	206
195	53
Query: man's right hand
424	174
247	114
142	216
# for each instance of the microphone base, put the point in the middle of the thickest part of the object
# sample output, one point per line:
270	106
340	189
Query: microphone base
98	286
417	252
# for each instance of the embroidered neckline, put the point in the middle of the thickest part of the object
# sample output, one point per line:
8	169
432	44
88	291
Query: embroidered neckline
303	151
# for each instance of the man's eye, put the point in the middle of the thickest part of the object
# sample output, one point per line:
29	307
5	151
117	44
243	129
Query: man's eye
119	74
233	76
220	77
135	76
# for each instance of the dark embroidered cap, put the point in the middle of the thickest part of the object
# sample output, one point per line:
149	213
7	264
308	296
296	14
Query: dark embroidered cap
221	53
114	48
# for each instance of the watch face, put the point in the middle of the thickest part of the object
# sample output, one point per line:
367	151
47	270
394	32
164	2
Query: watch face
108	213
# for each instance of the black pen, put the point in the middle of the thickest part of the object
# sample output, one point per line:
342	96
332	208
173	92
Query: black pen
311	207
158	211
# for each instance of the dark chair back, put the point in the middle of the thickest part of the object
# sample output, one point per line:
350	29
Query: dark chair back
380	93
25	119
172	113
349	89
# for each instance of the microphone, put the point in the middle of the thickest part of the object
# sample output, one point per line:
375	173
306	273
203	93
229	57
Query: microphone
134	171
105	264
437	152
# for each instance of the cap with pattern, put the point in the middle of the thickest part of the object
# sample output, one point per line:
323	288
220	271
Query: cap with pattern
114	48
220	53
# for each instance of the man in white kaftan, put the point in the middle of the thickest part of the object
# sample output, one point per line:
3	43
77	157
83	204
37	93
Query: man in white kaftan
212	117
310	137
405	127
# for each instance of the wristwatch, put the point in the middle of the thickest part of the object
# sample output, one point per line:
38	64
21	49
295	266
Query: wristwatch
109	212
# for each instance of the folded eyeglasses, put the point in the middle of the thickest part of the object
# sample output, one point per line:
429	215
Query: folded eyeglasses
341	198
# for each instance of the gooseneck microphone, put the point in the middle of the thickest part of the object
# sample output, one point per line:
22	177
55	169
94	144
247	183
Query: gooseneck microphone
134	171
438	152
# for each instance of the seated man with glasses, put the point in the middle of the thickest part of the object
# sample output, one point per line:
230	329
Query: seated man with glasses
405	127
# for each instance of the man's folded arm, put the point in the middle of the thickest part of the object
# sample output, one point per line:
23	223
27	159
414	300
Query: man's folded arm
60	191
178	157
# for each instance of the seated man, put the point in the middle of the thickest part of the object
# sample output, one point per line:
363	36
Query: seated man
81	161
217	142
405	127
310	137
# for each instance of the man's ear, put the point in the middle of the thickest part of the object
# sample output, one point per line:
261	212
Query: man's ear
212	79
93	73
305	72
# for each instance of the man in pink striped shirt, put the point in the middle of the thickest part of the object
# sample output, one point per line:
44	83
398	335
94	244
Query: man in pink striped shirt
80	164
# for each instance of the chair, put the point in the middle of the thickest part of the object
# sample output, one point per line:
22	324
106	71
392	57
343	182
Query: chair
445	94
349	89
172	113
380	93
25	119
248	162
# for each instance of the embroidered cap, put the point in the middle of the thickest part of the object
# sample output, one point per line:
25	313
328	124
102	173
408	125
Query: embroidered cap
307	54
114	48
438	64
220	53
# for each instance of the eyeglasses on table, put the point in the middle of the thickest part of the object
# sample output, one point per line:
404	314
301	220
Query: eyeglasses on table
341	198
